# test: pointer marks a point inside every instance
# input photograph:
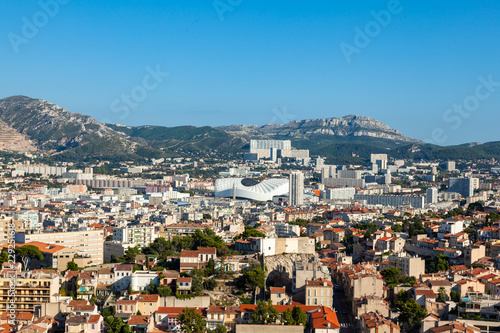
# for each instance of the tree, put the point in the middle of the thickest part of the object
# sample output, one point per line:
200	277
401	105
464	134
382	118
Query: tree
115	324
455	296
125	329
72	266
191	321
411	314
251	232
130	254
441	295
390	276
197	281
253	278
397	228
139	313
164	291
220	328
299	316
210	284
210	267
265	313
27	253
286	317
4	257
159	247
410	281
207	216
152	288
436	264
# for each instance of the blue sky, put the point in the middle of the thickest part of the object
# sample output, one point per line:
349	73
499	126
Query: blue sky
255	62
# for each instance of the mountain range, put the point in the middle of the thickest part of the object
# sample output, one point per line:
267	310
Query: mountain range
35	125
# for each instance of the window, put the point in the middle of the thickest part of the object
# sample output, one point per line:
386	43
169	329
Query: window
309	293
321	292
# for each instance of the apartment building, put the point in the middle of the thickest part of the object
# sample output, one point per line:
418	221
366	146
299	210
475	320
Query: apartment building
319	292
87	242
140	235
411	266
32	288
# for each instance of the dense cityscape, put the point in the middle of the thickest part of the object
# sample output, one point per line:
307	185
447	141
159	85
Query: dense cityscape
234	166
276	237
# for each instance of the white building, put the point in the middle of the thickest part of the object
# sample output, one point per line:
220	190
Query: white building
450	227
296	189
432	195
141	235
86	241
140	280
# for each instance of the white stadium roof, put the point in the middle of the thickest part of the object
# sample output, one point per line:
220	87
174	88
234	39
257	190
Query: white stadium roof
247	188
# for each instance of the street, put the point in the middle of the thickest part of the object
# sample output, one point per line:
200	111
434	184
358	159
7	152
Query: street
340	304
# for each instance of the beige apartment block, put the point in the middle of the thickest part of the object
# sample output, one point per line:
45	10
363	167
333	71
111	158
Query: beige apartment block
88	243
31	289
319	292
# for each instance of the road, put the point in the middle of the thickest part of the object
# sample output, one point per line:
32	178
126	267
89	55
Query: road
340	304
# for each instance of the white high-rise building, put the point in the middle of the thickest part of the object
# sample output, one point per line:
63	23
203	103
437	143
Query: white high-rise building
450	166
140	235
380	160
432	195
296	188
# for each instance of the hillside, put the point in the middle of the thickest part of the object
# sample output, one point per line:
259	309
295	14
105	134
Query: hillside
28	125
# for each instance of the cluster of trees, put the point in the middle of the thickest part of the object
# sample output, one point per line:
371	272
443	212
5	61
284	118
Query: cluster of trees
411	314
250	232
437	264
393	277
24	254
266	314
116	325
252	278
369	228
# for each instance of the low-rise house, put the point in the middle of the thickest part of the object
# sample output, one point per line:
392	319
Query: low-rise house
197	259
83	323
369	304
279	296
184	285
141	323
374	323
125	308
167	317
140	280
122	276
87	283
436	286
148	304
324	320
222	315
469	286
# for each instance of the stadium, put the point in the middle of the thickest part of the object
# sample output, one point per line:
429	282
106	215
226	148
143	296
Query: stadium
251	189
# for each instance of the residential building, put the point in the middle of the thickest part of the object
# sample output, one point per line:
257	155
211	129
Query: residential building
319	292
296	192
32	288
141	235
87	242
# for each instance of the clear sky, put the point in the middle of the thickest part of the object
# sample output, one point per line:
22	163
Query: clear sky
255	62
